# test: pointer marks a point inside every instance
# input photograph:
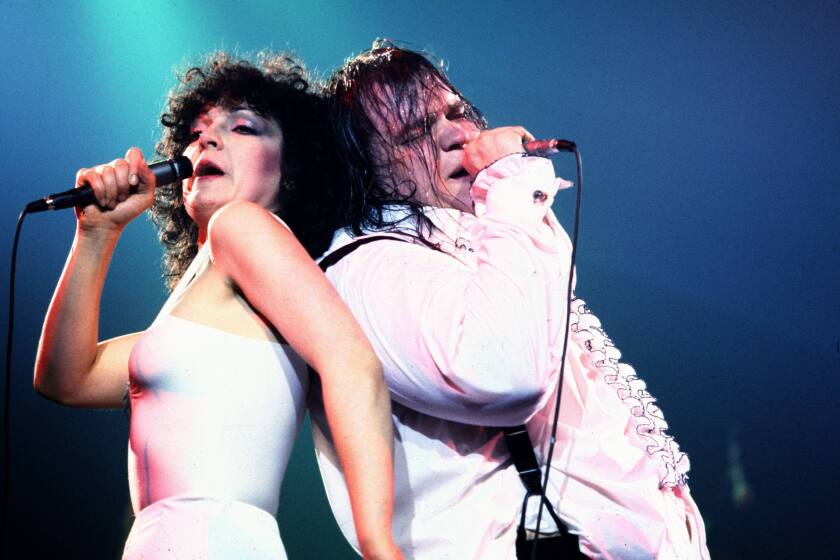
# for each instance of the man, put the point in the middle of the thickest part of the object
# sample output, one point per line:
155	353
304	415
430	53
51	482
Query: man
457	270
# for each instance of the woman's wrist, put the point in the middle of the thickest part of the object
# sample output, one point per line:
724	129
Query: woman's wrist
96	241
384	550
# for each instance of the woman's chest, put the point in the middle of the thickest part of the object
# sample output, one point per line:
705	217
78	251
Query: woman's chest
213	301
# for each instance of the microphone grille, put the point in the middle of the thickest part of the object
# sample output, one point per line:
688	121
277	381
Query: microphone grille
182	167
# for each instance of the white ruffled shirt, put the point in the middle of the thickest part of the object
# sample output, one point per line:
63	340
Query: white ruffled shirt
470	338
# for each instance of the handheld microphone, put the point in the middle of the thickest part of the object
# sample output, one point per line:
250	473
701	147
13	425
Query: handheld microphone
165	172
548	147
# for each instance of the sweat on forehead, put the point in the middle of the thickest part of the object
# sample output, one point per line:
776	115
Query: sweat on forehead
400	104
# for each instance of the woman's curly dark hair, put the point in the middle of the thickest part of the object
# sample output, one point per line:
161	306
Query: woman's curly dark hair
389	82
277	87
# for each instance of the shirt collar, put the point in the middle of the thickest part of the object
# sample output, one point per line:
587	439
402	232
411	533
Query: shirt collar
451	227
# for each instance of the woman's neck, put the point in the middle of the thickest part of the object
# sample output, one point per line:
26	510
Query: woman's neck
202	235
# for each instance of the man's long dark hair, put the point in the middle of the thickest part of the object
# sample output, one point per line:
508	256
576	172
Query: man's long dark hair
387	82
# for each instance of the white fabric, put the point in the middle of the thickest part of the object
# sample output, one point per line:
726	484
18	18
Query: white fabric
213	415
471	338
184	527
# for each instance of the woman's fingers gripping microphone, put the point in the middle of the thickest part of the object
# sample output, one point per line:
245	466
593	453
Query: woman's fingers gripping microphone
92	178
123	189
140	176
109	182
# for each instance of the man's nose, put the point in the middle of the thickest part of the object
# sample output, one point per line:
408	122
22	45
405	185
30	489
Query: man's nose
454	134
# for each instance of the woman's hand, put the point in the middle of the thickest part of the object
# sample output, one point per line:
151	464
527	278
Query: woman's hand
72	367
123	188
492	145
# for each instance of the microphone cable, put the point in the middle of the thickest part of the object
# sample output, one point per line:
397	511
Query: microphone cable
165	172
555	421
7	390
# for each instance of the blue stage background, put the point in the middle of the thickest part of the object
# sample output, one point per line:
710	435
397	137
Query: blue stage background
710	244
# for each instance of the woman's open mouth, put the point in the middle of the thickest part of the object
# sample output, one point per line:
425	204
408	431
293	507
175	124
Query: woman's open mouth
207	169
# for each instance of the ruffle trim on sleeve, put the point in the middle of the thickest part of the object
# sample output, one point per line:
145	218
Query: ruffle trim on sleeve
516	186
649	421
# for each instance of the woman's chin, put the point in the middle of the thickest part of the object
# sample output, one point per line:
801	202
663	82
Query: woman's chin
201	206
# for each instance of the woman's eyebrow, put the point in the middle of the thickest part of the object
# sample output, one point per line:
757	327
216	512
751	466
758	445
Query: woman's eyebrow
244	108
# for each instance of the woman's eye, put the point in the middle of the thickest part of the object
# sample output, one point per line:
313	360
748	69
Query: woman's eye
193	136
244	129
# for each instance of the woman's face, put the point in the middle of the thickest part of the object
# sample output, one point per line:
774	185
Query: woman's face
236	156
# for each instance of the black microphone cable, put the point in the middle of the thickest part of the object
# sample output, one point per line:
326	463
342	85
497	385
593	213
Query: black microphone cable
7	388
165	172
575	228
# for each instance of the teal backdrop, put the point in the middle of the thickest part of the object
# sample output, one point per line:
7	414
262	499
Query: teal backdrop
710	245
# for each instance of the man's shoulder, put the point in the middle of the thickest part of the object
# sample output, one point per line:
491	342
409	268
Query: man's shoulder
344	243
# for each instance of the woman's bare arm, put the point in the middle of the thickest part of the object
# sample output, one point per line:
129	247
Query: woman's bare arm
282	282
72	367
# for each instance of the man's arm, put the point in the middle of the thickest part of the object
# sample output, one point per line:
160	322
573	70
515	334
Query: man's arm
470	343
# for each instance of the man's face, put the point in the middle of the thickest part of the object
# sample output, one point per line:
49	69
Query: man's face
420	148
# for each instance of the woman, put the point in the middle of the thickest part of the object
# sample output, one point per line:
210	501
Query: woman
216	390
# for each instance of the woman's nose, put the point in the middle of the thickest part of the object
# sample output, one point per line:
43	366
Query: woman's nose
210	137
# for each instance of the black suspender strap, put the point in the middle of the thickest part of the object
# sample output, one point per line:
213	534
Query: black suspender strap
344	250
525	460
339	254
522	450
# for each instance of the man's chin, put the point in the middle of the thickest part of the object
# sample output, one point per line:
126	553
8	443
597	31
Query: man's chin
459	193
